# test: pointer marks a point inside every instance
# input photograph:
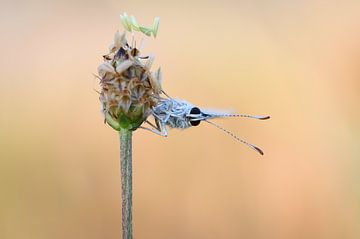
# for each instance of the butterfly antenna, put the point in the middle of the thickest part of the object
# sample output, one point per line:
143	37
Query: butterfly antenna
235	137
241	115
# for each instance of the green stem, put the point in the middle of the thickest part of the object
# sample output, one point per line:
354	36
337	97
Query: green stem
126	181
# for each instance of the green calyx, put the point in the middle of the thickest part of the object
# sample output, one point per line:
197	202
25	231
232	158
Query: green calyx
130	120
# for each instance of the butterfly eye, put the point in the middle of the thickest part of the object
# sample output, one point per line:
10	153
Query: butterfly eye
195	111
195	122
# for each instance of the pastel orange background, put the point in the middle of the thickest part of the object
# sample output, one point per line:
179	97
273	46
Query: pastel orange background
295	60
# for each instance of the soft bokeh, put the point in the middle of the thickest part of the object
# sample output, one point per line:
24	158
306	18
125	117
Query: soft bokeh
298	61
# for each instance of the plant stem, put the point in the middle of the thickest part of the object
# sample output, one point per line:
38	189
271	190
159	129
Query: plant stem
126	181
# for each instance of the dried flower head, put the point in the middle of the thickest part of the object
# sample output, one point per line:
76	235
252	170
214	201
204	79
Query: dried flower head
129	89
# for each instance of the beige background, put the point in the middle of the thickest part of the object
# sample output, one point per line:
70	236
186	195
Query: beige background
295	60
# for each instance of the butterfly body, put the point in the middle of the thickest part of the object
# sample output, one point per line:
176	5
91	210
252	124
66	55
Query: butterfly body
173	113
180	114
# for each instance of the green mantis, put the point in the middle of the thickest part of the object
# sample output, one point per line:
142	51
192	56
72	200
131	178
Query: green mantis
130	23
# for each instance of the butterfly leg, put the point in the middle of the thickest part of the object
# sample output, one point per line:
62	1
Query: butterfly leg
152	130
159	129
166	94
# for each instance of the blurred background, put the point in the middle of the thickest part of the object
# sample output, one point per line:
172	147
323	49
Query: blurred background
298	61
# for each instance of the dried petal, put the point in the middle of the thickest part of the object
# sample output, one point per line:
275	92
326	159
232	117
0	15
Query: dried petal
137	91
123	66
125	103
155	81
119	40
112	48
147	108
149	62
106	69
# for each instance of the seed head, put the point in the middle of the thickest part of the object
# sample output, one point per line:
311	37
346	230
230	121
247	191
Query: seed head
129	89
